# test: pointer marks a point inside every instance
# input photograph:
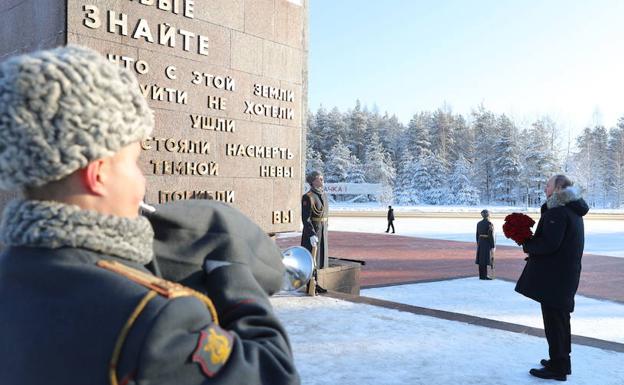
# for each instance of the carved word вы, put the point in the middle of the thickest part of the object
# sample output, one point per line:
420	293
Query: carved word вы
280	216
166	35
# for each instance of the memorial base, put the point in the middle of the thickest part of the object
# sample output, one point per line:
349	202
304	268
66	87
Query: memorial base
341	276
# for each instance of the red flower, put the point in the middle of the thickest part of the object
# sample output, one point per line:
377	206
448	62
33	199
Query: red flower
517	227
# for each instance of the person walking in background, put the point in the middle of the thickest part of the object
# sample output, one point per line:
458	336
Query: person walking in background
390	219
553	270
486	244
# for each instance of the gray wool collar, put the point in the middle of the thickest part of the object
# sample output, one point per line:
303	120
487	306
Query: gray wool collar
53	225
563	197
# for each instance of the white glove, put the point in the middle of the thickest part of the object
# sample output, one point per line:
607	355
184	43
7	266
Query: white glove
314	240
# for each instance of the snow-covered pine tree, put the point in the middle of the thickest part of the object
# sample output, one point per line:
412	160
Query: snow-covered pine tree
313	161
484	126
337	163
463	192
357	134
438	192
404	191
506	163
616	156
539	163
378	167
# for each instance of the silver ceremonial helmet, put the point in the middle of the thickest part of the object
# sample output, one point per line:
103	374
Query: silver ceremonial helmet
299	268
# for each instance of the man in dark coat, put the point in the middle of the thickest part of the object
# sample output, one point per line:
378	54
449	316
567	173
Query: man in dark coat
79	306
314	213
486	242
553	269
390	219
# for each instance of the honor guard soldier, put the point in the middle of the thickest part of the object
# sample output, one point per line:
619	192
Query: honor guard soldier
79	306
486	244
314	213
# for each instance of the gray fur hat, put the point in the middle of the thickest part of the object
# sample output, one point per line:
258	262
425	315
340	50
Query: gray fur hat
63	108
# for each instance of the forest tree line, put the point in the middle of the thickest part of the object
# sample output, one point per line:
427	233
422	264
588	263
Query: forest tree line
443	158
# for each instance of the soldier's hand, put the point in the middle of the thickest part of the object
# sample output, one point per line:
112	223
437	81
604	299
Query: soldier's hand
314	240
193	237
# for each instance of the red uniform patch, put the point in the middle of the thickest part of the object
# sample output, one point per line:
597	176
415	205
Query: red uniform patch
213	349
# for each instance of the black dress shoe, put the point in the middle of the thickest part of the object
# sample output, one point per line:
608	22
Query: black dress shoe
546	363
320	290
546	374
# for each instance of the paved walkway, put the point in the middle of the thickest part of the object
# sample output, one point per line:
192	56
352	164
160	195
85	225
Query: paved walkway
393	259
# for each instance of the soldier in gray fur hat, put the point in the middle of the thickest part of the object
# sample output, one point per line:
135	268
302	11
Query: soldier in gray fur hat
78	304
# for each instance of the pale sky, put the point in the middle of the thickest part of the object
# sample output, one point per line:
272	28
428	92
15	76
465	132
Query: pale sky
525	58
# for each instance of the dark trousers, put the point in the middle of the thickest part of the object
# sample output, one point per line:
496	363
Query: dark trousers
482	271
558	335
390	224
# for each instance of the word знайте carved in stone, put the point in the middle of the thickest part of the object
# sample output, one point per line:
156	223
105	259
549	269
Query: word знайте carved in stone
189	168
253	151
214	124
182	146
117	23
225	196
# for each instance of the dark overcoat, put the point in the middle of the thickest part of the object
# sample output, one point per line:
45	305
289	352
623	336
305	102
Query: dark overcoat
390	215
485	242
62	315
314	215
553	269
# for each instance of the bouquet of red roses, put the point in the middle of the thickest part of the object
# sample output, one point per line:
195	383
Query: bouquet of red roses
517	227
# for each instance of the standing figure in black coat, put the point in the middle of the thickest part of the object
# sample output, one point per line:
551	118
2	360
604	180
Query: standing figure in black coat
551	275
390	219
314	213
486	243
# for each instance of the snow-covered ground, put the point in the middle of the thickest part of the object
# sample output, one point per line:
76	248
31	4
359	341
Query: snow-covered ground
339	342
602	237
497	300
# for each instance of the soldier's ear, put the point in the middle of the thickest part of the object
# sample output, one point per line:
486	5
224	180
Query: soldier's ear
93	177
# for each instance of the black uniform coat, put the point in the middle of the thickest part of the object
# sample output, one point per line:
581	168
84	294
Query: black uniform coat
553	269
485	242
390	215
314	213
61	316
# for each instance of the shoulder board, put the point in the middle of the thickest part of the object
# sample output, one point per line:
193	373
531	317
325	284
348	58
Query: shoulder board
161	286
309	193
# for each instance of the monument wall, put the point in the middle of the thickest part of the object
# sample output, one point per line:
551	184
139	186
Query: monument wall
226	80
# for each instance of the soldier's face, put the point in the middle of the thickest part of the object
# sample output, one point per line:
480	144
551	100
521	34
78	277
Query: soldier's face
318	182
125	183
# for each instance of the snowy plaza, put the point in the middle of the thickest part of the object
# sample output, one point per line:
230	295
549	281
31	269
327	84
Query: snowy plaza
338	341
